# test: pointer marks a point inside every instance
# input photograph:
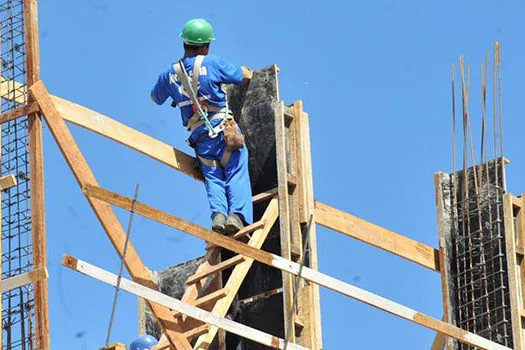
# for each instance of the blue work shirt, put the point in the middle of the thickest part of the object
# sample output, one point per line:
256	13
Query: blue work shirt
214	72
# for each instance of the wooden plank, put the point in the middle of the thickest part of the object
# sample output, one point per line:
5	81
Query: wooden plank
156	297
265	195
305	335
216	268
309	205
7	182
13	91
36	165
284	217
243	231
114	130
512	267
129	137
208	299
23	279
16	113
377	236
293	268
103	211
197	331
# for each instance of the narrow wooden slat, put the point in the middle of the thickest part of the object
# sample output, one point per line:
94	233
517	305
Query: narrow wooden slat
23	279
195	332
103	211
7	182
284	215
156	297
243	232
19	112
265	195
294	268
377	236
206	300
215	269
308	207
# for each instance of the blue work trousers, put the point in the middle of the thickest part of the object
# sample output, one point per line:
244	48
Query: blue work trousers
229	189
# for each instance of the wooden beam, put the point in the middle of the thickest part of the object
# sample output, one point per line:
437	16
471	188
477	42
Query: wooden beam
7	182
147	145
16	113
23	279
285	222
265	195
103	211
377	236
512	268
36	165
293	268
114	130
168	302
216	269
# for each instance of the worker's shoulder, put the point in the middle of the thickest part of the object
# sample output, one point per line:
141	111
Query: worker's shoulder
214	59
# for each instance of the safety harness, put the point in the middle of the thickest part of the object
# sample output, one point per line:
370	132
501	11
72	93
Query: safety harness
200	115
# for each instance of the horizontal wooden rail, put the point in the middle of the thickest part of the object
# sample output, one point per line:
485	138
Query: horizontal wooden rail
293	268
377	236
177	305
23	279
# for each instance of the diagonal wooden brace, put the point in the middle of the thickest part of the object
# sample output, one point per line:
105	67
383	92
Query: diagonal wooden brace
104	212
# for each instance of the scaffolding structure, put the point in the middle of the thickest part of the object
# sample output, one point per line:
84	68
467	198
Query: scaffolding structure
480	265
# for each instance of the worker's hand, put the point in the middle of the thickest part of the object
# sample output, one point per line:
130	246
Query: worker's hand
247	73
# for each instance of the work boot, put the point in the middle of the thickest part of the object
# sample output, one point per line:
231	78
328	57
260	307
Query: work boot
218	224
233	224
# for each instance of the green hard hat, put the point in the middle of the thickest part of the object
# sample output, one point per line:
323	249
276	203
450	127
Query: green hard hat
197	31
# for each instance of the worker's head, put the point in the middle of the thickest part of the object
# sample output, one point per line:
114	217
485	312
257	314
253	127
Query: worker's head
197	35
144	342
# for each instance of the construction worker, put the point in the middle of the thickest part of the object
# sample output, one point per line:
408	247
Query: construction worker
224	159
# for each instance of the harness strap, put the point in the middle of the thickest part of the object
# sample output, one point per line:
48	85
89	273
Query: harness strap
196	73
226	158
209	162
216	164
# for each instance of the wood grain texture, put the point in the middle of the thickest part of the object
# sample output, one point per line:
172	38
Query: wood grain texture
23	279
294	268
377	236
168	302
8	181
36	165
103	211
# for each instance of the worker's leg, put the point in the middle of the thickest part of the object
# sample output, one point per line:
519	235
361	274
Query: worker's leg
215	188
208	150
238	187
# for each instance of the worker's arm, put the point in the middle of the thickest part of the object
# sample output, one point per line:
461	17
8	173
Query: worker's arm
159	94
228	73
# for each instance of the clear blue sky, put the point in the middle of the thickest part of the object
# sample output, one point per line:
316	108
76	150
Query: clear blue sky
375	79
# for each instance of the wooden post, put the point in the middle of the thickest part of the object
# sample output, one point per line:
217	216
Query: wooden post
512	267
36	164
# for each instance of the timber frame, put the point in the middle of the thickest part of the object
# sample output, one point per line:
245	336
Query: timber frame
292	203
